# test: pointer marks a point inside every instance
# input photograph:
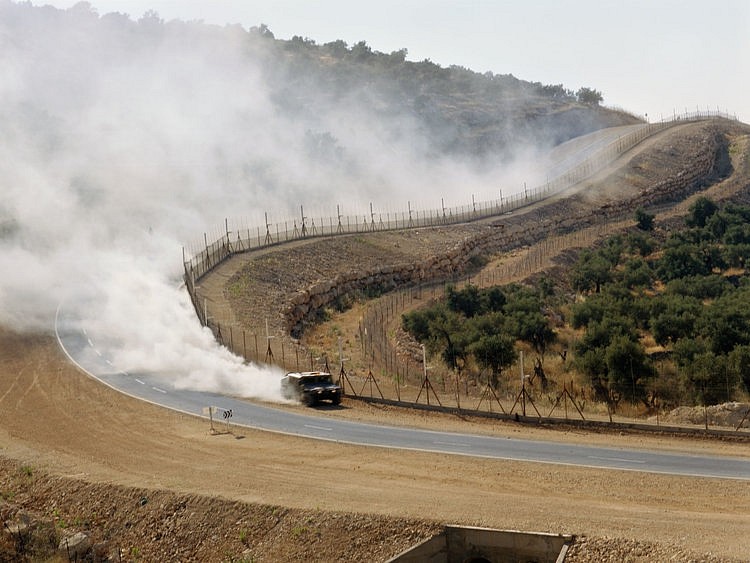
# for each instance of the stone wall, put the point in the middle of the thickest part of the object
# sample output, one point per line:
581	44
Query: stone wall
305	303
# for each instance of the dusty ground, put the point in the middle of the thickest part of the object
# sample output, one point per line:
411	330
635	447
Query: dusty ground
157	486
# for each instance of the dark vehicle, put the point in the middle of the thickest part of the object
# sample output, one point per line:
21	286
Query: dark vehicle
310	387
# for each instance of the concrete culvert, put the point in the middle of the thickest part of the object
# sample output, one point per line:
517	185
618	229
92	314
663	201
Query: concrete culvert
457	544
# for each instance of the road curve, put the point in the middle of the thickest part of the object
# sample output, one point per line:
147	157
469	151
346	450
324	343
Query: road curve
82	350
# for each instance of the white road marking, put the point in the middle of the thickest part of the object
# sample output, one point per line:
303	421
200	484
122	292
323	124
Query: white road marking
318	427
159	390
98	353
451	444
108	362
91	343
139	381
617	459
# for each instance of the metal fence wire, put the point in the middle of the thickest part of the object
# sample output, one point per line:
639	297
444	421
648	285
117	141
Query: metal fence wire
201	257
376	346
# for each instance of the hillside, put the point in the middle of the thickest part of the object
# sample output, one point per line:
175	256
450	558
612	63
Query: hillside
639	180
122	139
458	110
149	484
450	110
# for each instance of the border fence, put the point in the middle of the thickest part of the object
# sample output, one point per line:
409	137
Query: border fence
200	258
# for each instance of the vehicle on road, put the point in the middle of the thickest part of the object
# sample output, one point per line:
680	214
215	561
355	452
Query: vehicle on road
310	387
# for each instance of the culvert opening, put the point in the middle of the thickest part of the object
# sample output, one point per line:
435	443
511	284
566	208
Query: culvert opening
461	544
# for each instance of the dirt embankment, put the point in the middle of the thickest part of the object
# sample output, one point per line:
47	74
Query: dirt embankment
152	485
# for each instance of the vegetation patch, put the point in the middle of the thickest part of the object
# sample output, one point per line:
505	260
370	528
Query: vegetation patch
656	319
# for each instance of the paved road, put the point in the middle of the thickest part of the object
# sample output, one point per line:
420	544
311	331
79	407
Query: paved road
81	348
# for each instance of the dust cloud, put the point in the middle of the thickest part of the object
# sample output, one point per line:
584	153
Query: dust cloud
120	140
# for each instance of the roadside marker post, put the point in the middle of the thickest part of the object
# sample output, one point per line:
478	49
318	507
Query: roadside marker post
226	414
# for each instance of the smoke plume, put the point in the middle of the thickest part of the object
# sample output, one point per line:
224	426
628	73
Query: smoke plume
120	140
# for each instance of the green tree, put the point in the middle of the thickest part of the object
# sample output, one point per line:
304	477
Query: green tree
700	287
708	375
338	48
596	353
738	363
615	300
263	31
494	352
700	212
644	221
446	337
417	323
687	349
598	335
682	261
546	287
628	368
637	273
736	255
361	51
737	234
525	319
456	349
556	91
591	309
591	272
612	250
640	243
713	257
718	224
493	299
399	56
466	301
741	213
589	96
674	317
726	322
593	365
534	328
